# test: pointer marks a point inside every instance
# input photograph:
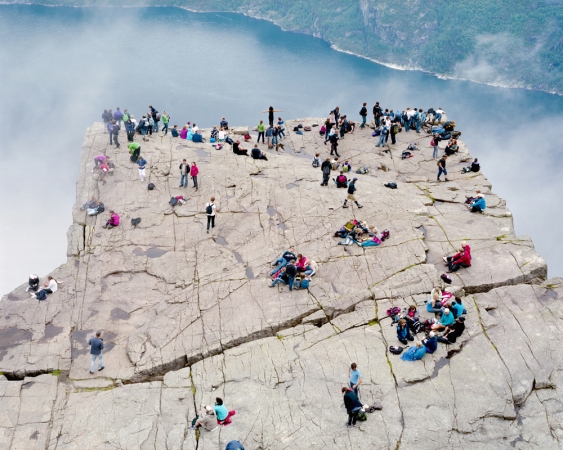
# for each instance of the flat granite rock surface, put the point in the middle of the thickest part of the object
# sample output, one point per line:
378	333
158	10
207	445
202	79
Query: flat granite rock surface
188	316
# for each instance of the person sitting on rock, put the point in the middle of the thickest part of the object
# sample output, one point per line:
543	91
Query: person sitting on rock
452	332
431	342
96	209
474	167
281	278
341	180
175	132
301	263
238	150
351	238
457	307
312	268
49	287
33	283
460	259
433	304
452	147
414	353
256	153
184	132
214	133
283	260
478	204
403	332
372	241
113	221
207	419
446	319
411	316
223	415
92	203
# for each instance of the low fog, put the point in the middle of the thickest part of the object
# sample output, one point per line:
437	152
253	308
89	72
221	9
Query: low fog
61	67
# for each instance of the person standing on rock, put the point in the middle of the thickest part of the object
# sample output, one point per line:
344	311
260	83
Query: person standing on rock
118	116
269	135
334	144
110	131
325	168
364	115
291	271
261	128
115	132
442	168
271	112
355	377
352	405
96	346
211	211
351	190
193	173
142	163
394	132
165	119
377	114
184	172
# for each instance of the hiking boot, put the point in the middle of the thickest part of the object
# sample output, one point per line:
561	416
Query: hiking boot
345	206
359	206
101	368
446	179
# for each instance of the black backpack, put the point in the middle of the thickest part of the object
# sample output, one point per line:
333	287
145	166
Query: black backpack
395	349
136	221
173	201
209	209
446	279
391	185
151	186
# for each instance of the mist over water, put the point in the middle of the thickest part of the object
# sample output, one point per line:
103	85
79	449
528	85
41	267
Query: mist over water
61	67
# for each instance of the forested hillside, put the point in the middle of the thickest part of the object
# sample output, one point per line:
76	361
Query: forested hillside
506	42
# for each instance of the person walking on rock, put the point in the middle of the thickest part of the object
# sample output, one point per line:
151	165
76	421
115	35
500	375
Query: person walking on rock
333	138
193	173
352	405
355	377
115	132
351	190
184	172
142	163
96	346
211	211
118	116
442	168
364	115
325	168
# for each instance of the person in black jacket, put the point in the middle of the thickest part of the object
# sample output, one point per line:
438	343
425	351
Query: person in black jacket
325	168
377	114
352	405
351	190
291	271
115	132
333	138
452	332
363	114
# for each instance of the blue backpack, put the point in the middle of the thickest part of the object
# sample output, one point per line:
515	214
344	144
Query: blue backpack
304	283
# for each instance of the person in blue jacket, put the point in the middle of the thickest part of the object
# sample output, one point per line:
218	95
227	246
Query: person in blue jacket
457	307
478	204
414	353
431	342
234	445
403	332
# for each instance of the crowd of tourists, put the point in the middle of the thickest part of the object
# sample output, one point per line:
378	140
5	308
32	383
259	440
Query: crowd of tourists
294	269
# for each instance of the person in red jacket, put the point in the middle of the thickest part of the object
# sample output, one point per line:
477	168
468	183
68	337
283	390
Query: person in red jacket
301	263
460	259
193	173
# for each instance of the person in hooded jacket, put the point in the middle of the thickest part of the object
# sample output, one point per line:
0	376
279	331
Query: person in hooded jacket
352	405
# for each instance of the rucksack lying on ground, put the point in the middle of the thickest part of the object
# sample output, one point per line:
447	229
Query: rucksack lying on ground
418	327
136	221
446	279
173	201
394	314
384	234
395	349
150	186
377	406
391	185
307	128
406	154
362	170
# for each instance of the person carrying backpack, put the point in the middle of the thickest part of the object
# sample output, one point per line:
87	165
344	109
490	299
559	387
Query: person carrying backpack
363	114
326	168
211	211
394	132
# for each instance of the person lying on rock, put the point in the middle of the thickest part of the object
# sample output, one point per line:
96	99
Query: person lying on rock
207	419
312	268
434	304
283	260
431	342
478	204
223	415
49	287
96	209
403	332
113	220
238	150
452	332
460	259
92	203
256	153
414	353
351	237
341	181
446	320
281	277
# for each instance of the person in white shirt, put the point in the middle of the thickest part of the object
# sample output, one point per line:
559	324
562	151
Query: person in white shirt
211	211
49	287
438	115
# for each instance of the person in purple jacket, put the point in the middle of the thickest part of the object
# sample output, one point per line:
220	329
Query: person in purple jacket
118	116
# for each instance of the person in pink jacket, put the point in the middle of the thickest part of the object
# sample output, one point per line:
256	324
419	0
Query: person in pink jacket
113	220
193	173
301	263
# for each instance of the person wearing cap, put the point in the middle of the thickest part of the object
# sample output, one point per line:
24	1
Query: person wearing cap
96	346
351	190
446	320
207	419
431	342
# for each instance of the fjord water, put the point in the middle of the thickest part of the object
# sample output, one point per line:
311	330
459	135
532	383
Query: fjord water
61	67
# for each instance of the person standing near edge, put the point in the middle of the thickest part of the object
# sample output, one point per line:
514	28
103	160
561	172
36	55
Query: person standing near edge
193	172
364	115
355	377
165	119
184	172
211	211
351	190
96	346
271	112
115	132
442	168
261	128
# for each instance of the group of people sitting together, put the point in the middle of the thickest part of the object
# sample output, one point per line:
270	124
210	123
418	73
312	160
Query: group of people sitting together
210	417
352	233
293	270
49	287
448	319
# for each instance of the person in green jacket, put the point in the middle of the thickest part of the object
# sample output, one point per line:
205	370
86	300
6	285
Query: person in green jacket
126	116
135	150
165	119
261	129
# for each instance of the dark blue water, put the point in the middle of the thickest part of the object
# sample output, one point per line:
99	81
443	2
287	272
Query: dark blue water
60	67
